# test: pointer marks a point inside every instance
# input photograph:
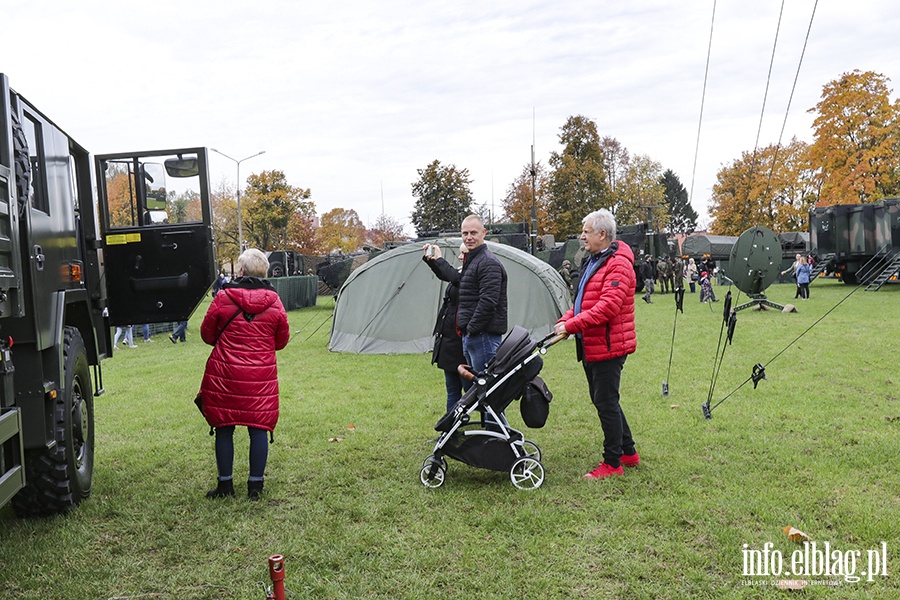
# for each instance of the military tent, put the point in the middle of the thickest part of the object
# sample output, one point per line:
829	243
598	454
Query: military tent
389	305
718	247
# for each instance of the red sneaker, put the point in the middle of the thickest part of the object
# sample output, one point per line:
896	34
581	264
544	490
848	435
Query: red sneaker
630	460
604	470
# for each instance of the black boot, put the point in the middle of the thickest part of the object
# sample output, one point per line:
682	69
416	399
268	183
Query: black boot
224	489
254	489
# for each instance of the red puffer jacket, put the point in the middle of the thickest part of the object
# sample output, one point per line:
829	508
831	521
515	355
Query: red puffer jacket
240	383
606	320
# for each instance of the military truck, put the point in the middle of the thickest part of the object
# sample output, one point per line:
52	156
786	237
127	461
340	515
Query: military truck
78	255
639	237
858	242
284	263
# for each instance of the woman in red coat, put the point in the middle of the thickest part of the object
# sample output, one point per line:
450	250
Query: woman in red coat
246	323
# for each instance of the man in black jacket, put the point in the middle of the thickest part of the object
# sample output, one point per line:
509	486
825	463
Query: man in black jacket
482	313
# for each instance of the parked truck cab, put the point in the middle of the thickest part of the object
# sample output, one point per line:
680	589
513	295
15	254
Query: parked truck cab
84	244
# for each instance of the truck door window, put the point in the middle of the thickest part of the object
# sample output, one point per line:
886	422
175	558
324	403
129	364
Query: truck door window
138	195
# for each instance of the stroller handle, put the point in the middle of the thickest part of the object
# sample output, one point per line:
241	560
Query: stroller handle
465	372
552	339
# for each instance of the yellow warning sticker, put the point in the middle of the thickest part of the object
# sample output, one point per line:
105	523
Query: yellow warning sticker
122	238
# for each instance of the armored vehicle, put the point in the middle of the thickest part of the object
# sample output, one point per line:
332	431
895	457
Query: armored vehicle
73	262
858	242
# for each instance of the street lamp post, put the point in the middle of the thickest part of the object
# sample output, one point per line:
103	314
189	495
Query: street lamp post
238	193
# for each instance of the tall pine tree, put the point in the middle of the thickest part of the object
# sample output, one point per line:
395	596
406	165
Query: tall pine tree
683	217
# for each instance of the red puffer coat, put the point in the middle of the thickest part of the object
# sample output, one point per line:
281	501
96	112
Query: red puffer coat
240	383
606	320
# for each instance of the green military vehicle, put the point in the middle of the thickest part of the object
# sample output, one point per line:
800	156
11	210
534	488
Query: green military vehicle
858	242
642	241
73	263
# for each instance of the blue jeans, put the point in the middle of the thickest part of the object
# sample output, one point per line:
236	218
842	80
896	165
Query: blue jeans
455	387
259	452
180	330
479	350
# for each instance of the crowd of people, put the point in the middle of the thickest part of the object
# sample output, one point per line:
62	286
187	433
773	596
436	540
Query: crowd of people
246	324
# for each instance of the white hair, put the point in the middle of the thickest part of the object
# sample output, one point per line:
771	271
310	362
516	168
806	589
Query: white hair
601	220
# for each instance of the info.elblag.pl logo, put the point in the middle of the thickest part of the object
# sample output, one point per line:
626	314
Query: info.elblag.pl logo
816	563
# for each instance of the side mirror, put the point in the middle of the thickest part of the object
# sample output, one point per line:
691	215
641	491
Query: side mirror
182	166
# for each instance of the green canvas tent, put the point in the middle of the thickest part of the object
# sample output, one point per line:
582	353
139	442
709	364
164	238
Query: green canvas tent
717	246
389	305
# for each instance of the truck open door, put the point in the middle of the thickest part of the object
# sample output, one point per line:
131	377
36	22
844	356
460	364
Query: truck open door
156	227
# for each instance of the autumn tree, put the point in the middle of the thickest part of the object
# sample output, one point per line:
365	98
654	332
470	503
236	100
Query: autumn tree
443	197
856	139
224	221
774	187
577	184
384	229
184	207
301	231
268	204
520	196
638	189
340	230
615	162
683	217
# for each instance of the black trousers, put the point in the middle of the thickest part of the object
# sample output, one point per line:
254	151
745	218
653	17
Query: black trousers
603	382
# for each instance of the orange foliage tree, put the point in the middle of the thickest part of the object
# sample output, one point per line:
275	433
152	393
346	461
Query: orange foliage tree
856	140
750	191
519	196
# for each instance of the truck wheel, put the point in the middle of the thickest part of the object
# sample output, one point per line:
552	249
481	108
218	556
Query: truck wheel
59	479
276	270
849	278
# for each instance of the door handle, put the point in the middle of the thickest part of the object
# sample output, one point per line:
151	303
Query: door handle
38	257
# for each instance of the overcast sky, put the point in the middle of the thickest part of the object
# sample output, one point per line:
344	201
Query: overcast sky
350	98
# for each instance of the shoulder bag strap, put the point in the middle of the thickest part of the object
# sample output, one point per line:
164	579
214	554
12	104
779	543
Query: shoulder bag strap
233	317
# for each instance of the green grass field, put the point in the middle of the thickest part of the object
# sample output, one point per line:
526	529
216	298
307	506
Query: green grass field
814	447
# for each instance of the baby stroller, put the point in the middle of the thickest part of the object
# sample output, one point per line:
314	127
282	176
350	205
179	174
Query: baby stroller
490	443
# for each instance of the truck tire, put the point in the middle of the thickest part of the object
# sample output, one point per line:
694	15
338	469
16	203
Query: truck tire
276	269
60	478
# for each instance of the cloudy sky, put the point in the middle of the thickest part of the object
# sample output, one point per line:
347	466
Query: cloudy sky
349	98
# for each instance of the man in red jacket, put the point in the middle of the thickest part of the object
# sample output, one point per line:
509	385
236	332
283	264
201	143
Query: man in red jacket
602	320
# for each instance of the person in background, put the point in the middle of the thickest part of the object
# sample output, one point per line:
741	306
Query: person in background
646	272
448	350
793	271
603	322
804	272
129	336
693	275
145	329
180	332
566	272
246	324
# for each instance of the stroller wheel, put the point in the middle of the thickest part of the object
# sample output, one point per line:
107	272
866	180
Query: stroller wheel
431	459
531	449
432	475
527	473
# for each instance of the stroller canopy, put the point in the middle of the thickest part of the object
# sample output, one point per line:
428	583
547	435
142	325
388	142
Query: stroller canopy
389	305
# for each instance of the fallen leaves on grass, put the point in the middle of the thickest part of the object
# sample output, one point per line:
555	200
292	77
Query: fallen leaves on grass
795	535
